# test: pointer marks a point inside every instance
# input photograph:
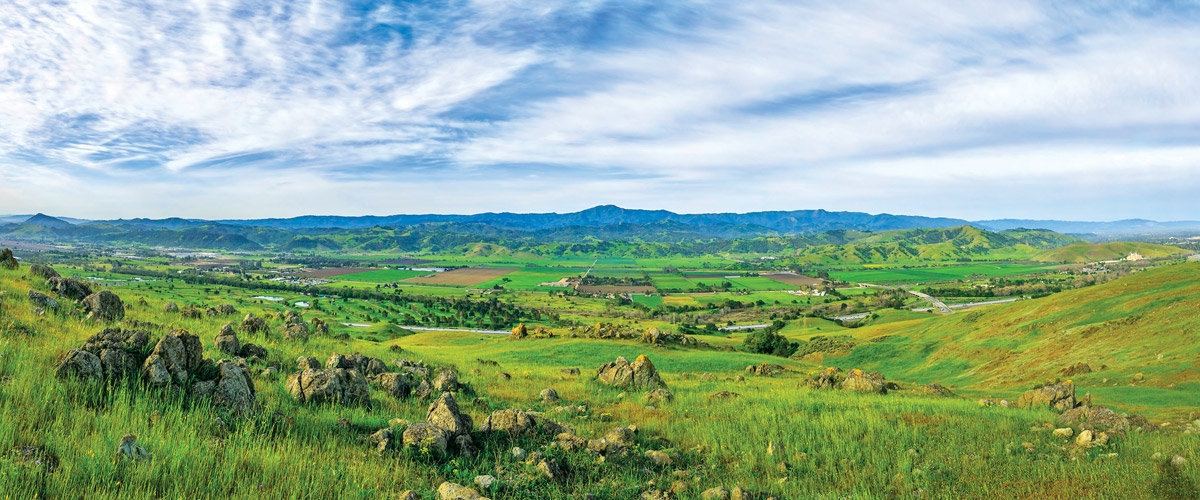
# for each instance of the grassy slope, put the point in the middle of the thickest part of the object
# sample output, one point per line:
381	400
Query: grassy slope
1126	324
836	445
1088	252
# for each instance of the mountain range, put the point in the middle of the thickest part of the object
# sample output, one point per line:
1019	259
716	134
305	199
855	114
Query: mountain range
620	222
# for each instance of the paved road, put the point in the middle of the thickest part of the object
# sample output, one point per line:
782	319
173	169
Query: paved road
974	304
852	317
935	302
438	329
735	328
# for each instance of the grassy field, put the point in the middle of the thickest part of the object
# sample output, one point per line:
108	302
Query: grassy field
946	273
830	444
381	276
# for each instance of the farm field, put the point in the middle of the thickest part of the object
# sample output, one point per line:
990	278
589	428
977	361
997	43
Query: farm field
381	275
794	280
331	272
946	273
470	276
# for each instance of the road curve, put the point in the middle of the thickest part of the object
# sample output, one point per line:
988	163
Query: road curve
933	301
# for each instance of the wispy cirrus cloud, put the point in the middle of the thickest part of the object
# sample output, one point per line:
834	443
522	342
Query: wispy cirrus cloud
264	108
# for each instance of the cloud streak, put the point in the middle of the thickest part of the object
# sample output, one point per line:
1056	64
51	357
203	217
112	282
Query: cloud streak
210	108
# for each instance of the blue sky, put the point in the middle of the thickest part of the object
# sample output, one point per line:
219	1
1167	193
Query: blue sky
246	109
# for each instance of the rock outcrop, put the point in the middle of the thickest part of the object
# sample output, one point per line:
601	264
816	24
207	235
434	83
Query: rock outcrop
42	300
254	325
42	272
174	358
7	261
637	375
444	413
337	385
861	381
70	288
1060	397
111	354
227	341
231	390
104	306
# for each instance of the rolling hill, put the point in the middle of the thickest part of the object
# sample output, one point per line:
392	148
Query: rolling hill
1085	252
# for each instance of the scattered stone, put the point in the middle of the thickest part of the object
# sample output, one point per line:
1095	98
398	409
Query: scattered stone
658	495
129	449
252	351
444	413
1064	432
617	441
227	341
227	309
936	389
43	272
637	375
549	396
383	439
232	390
1096	418
408	495
308	363
774	448
174	358
550	469
252	325
718	493
447	381
512	422
396	384
830	378
724	395
861	381
570	371
451	491
119	352
1059	396
42	300
339	385
80	364
426	436
518	453
7	261
1084	439
485	482
765	370
69	288
1079	368
1139	377
659	396
171	307
658	457
104	306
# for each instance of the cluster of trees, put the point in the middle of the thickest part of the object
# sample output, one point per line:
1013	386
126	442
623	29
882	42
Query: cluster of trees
769	341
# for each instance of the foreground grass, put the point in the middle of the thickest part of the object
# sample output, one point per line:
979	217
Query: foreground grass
834	445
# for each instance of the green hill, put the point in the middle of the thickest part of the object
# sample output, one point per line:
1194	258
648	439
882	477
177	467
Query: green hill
1085	252
1145	323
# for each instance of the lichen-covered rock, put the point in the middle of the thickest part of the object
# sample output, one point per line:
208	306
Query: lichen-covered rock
617	441
549	396
659	396
861	381
42	300
42	272
339	385
227	309
426	436
171	307
512	422
297	332
396	384
1096	419
227	341
7	261
121	352
251	350
445	414
232	389
69	288
383	440
765	369
1059	396
174	358
104	306
252	325
451	491
80	364
936	389
637	375
446	381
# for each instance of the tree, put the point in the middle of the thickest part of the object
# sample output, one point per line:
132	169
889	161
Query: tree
769	341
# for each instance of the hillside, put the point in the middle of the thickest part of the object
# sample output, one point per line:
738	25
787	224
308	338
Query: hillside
937	245
1085	252
1145	323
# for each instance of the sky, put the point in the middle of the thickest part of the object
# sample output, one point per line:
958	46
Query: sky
249	109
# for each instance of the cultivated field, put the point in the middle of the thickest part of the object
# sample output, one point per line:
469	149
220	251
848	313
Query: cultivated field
469	276
795	280
330	272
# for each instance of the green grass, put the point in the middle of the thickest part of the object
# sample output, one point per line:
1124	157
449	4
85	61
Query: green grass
651	301
381	276
945	273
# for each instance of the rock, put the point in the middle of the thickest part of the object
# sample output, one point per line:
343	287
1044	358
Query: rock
1080	368
549	396
658	457
104	306
69	288
269	372
174	358
653	336
659	396
383	439
518	453
408	495
637	375
451	491
42	300
1060	397
1138	377
42	272
550	469
774	448
252	351
512	422
465	446
765	370
1064	432
252	324
1095	418
128	449
519	332
569	371
227	342
7	261
234	390
171	307
80	364
308	363
718	493
395	384
227	309
739	493
936	389
341	386
617	441
419	370
860	381
724	395
121	352
485	482
297	332
426	436
447	381
423	390
658	495
444	413
1084	438
830	378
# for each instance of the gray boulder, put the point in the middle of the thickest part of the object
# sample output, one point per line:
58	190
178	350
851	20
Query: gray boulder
80	364
1059	397
104	306
637	375
339	385
173	360
70	288
426	436
42	300
232	389
42	272
227	341
445	414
